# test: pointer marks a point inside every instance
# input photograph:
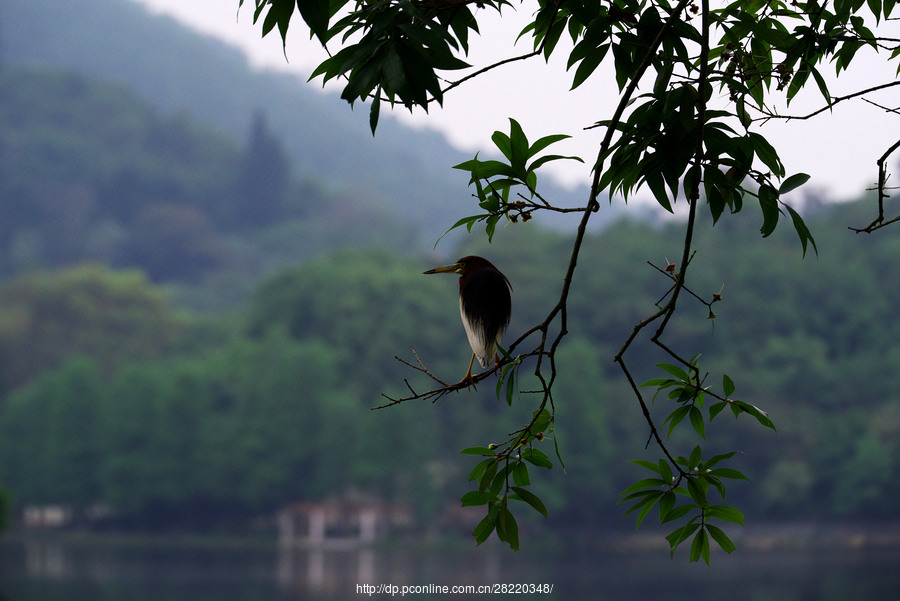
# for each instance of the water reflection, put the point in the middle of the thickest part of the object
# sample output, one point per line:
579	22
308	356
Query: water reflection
334	572
57	568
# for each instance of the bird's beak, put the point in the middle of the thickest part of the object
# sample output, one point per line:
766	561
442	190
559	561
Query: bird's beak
455	268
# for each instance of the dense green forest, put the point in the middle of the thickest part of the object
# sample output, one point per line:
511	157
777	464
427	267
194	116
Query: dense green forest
196	421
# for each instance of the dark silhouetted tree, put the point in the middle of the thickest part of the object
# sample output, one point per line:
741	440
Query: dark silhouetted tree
264	177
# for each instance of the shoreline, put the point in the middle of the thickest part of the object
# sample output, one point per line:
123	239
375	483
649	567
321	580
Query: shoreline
789	536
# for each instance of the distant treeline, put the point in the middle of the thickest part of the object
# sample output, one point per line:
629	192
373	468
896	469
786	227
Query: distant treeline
112	397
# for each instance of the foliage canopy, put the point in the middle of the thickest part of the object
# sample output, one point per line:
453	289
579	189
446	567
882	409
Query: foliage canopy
694	82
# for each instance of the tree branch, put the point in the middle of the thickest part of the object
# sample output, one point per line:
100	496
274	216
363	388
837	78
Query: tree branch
668	309
879	221
768	115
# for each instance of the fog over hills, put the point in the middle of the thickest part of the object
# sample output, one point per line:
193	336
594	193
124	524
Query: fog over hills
403	170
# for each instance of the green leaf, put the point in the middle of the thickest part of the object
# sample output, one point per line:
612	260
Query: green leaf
700	547
725	472
802	230
491	203
742	113
716	409
537	164
466	221
491	226
477	497
676	537
316	14
768	202
721	538
589	64
696	491
720	486
643	485
665	471
657	186
715	459
478	451
793	182
760	415
694	459
507	529
660	383
541	420
725	513
556	449
478	470
675	418
766	153
518	148
485	169
650	465
502	142
727	385
537	457
646	505
875	7
697	421
532	499
499	480
487	524
487	475
508	375
520	474
666	504
544	142
677	513
675	371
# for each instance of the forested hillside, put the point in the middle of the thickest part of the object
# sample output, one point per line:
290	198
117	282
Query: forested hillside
91	172
405	172
218	420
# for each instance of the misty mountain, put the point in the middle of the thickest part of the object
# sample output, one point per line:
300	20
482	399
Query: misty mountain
403	170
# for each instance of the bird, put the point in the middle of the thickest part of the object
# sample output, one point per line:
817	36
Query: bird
485	306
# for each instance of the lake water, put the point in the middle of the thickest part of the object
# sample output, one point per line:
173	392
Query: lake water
53	569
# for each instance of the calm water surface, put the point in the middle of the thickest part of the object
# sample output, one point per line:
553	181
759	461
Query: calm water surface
50	569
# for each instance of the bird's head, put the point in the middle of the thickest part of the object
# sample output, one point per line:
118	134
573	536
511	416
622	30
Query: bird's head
466	267
456	268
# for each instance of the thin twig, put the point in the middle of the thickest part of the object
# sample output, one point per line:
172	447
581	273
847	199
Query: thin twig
879	221
768	115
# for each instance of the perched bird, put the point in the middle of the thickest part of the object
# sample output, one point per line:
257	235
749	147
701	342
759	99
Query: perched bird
484	305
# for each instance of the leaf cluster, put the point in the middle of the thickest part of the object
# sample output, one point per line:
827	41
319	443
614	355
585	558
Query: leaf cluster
494	180
685	388
398	46
503	476
665	490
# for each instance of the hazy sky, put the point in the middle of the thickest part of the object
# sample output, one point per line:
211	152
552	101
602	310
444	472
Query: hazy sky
839	149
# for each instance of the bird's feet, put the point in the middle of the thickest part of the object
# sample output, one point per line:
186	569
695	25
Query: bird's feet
468	381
